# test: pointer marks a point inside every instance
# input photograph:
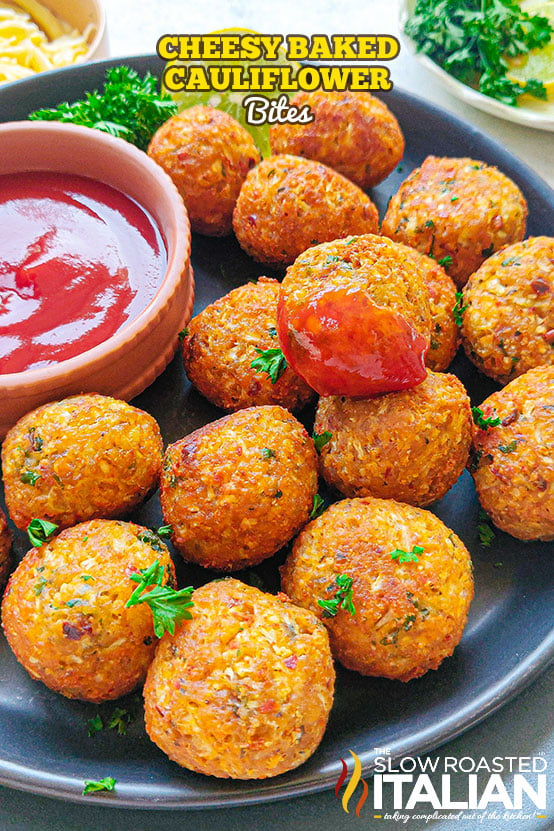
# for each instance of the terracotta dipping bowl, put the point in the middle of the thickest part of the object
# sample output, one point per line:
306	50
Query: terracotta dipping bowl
130	360
79	14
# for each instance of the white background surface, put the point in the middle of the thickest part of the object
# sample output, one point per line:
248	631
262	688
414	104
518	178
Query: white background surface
135	25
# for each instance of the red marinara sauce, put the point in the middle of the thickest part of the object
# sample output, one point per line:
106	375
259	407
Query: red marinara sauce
342	343
78	260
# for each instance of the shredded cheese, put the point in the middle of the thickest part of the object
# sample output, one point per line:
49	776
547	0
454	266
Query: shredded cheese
25	48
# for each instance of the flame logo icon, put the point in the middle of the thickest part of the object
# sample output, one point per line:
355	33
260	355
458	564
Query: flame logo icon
355	779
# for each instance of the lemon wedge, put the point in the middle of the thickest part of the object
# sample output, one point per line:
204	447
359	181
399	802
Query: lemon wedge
231	102
538	63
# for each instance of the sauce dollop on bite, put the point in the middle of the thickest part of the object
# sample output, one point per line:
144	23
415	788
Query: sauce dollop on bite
78	260
343	343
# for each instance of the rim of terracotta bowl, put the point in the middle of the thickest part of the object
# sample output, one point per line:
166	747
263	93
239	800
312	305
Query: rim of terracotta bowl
177	241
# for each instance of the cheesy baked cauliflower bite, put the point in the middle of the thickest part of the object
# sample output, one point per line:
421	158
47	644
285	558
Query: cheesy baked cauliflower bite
288	204
207	154
64	612
88	456
237	490
508	323
512	462
410	580
353	132
244	689
460	211
225	338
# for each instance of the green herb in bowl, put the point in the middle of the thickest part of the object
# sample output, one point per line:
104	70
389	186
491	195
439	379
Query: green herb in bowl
473	40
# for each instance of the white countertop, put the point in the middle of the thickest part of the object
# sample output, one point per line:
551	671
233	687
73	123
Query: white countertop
135	25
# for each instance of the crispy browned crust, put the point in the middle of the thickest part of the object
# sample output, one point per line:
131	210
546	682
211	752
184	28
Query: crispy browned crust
5	549
236	490
458	208
288	204
508	326
353	132
64	611
244	689
221	345
95	456
389	273
207	153
411	445
513	464
408	616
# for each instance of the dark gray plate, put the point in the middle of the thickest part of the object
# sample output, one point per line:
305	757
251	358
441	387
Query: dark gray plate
508	641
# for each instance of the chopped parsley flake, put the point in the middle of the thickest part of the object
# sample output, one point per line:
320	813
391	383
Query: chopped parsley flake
508	448
105	784
445	261
407	556
459	308
272	331
94	725
342	598
183	334
317	508
120	720
268	453
482	422
486	534
321	439
29	477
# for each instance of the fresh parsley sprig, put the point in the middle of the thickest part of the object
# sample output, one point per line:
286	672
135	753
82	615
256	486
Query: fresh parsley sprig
480	421
471	39
271	361
342	598
169	606
407	556
40	531
129	107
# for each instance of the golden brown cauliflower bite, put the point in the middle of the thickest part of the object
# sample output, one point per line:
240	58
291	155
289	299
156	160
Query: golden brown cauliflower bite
64	611
237	490
288	204
460	211
84	457
508	325
512	462
244	689
353	132
207	153
410	445
225	338
406	577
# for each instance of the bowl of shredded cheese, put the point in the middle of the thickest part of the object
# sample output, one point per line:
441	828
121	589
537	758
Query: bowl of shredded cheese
38	36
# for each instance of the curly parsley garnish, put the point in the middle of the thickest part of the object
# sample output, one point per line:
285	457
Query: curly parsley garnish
168	605
471	39
129	107
40	531
480	421
342	598
321	439
105	784
271	361
407	556
459	309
